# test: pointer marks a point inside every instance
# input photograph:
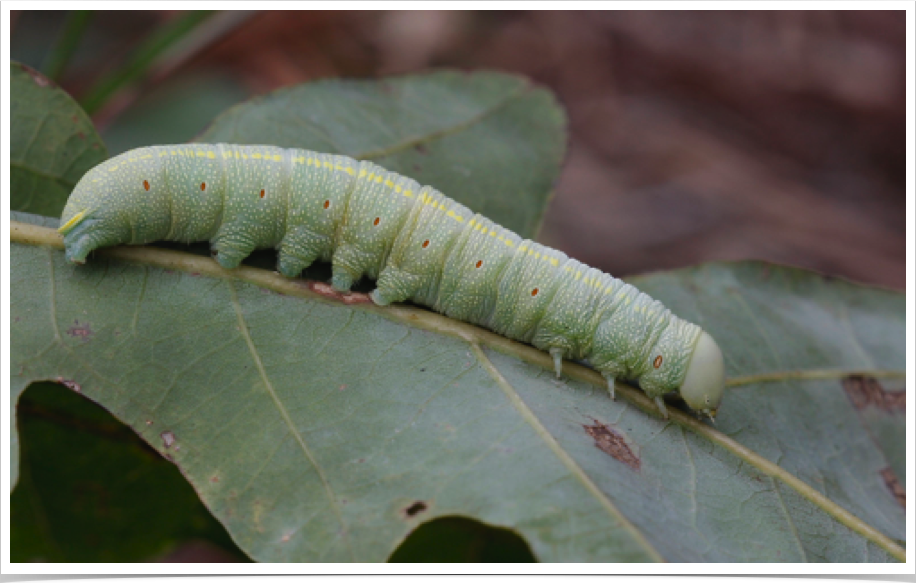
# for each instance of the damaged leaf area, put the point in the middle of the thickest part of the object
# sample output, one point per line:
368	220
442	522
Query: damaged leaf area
65	493
612	443
865	391
415	509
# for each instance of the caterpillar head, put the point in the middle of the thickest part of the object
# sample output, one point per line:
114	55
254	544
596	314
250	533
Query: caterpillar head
689	362
704	382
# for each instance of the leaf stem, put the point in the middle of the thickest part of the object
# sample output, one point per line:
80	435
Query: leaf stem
167	259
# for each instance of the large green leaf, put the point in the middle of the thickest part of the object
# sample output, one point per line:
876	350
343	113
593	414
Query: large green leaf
321	427
324	428
52	143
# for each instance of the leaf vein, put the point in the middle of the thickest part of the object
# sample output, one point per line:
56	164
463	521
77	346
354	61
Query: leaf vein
243	330
567	460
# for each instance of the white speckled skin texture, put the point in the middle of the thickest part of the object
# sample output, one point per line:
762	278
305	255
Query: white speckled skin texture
419	245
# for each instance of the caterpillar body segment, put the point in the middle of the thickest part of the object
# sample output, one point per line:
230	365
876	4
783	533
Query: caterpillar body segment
417	243
317	207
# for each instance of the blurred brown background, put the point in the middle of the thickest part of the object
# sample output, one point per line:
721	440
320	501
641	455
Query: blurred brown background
694	136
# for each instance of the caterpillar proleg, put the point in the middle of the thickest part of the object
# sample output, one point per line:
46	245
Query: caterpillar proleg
417	244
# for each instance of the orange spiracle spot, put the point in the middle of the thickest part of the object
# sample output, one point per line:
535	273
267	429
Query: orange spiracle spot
426	243
534	292
658	361
146	185
376	221
262	193
203	186
479	263
327	204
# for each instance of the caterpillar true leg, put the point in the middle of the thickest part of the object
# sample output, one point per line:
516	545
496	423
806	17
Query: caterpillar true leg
660	403
610	385
557	354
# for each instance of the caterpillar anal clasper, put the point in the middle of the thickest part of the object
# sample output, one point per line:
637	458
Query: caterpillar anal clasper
414	241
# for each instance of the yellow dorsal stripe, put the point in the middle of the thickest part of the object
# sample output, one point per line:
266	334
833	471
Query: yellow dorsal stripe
71	223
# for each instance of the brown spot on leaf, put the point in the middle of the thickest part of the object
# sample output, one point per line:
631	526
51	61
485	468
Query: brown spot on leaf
893	484
78	330
328	291
612	443
37	77
422	149
72	385
866	391
214	479
415	508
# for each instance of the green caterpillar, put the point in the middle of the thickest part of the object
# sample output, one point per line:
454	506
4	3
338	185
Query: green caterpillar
417	243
